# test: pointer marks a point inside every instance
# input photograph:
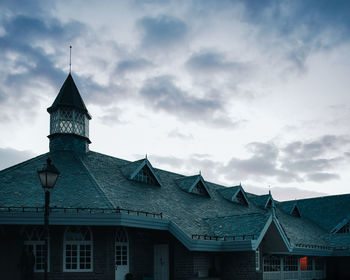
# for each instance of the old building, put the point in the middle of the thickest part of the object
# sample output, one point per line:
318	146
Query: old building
110	217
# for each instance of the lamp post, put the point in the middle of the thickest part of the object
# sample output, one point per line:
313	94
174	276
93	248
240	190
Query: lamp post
48	176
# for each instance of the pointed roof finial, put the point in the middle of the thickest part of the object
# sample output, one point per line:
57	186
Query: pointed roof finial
70	59
146	156
200	172
240	184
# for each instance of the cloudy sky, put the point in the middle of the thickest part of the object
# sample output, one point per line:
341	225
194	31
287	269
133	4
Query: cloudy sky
245	91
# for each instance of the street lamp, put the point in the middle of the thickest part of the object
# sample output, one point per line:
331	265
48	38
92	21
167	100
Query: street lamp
48	176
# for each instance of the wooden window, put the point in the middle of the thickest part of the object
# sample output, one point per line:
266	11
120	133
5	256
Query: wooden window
290	263
319	264
272	263
257	259
305	263
78	249
34	241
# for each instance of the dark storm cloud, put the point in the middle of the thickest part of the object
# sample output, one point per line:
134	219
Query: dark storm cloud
299	27
322	177
309	165
133	65
262	163
30	68
317	147
194	164
34	7
158	161
162	93
11	156
23	36
210	61
297	161
314	15
314	156
160	31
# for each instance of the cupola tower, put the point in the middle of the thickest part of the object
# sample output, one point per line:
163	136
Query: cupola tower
69	120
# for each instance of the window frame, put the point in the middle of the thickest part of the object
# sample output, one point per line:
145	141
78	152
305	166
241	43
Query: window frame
257	259
78	243
34	244
34	236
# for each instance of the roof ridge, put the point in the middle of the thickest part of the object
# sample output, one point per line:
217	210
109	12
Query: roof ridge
212	184
4	171
113	157
93	179
314	198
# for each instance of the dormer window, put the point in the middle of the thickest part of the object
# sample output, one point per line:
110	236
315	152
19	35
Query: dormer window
200	189
345	228
141	171
194	184
235	194
240	198
146	176
295	212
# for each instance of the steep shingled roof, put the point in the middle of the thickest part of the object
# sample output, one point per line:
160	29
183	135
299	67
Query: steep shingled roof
326	211
68	96
245	224
97	180
259	200
20	185
301	231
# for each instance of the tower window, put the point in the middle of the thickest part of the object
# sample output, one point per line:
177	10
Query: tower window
68	120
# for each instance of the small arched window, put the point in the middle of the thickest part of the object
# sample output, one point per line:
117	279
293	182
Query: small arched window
78	249
34	240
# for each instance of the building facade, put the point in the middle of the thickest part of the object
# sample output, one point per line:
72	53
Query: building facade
110	218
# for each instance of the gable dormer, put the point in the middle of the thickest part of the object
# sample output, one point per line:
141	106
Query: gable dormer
295	211
141	171
235	194
345	228
268	203
262	201
194	184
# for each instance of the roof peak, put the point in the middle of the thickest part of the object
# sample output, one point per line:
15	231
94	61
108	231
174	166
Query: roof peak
69	96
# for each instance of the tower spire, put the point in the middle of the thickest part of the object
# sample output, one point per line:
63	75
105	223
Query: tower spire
70	59
69	120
